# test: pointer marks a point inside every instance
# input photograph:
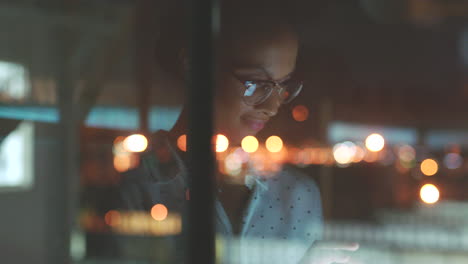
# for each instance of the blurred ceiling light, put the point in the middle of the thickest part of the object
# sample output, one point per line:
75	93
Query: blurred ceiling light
249	144
429	193
182	142
159	212
375	142
453	161
429	167
135	143
274	144
222	143
344	152
300	113
112	218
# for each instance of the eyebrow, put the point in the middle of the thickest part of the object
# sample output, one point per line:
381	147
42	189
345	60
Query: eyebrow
262	72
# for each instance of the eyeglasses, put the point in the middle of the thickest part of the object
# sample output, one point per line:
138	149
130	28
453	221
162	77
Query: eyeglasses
258	91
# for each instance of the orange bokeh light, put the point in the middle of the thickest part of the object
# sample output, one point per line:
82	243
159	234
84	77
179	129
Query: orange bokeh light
300	113
182	142
429	167
159	212
112	218
122	163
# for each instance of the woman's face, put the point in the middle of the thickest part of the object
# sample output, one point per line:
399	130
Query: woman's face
251	58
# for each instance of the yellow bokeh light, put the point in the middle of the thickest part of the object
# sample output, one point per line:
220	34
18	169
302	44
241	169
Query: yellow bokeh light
182	142
429	193
135	143
249	144
274	144
429	167
222	143
375	142
159	212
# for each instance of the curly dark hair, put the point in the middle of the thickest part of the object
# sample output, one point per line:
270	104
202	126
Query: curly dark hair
237	18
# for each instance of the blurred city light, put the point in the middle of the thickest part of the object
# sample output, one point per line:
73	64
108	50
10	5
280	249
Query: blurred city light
375	142
122	163
112	218
453	161
429	193
359	155
222	143
159	212
406	153
274	144
429	167
249	144
135	143
182	142
344	152
233	164
300	113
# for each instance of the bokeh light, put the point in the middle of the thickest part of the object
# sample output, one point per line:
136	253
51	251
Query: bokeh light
233	164
122	163
182	142
300	113
344	152
453	161
112	218
359	155
429	193
159	212
274	144
135	143
406	153
249	144
222	143
429	167
375	142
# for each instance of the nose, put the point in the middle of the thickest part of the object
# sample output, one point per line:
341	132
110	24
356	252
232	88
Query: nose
271	105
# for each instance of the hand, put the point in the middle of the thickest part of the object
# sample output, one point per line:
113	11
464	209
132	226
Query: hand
322	252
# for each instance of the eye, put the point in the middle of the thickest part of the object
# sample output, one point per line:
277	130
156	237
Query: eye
251	87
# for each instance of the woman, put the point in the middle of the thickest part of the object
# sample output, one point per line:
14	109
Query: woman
256	58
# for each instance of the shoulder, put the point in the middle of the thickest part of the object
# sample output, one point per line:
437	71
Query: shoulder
297	181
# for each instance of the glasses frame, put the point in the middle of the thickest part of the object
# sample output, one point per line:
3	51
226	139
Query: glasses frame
279	85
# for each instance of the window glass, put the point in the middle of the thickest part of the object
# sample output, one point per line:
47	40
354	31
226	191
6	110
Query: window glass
336	128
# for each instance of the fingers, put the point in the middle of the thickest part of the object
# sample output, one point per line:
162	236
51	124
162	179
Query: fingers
326	252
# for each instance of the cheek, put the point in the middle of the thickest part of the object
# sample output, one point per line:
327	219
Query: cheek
228	102
229	107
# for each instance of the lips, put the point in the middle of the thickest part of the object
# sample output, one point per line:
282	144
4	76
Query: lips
255	123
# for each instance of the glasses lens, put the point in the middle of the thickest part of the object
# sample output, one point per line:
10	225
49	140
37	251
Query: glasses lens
292	88
256	92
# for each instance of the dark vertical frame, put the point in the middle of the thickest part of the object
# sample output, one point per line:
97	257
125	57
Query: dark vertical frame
200	154
64	185
144	26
